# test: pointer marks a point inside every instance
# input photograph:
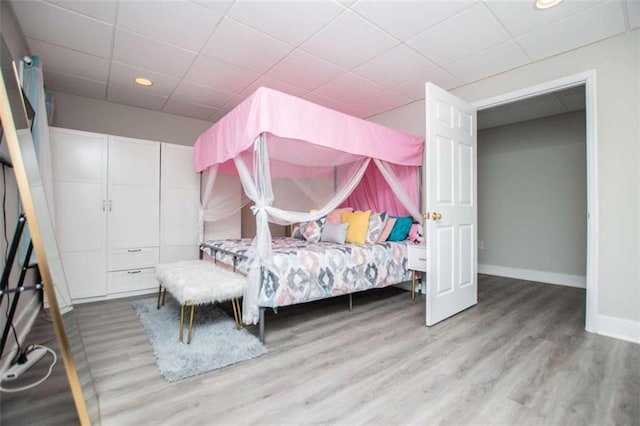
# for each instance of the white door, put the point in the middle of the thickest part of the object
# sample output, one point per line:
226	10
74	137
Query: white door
179	204
79	163
134	193
450	201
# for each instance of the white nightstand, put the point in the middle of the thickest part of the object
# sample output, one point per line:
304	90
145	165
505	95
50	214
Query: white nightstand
417	262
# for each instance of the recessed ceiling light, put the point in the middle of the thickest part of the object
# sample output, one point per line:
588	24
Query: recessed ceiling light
143	81
546	4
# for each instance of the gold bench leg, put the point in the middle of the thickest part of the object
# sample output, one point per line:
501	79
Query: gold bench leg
181	321
413	285
237	313
193	307
159	294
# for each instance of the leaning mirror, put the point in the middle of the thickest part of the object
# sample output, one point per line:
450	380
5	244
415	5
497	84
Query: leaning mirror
19	141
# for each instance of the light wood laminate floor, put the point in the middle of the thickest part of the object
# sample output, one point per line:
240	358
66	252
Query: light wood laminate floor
521	356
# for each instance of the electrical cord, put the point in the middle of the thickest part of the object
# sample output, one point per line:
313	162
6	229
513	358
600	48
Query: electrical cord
32	385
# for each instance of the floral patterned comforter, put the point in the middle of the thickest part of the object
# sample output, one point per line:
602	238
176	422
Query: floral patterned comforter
301	271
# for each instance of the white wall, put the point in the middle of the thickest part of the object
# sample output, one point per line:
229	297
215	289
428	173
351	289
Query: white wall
11	32
95	115
532	198
27	307
618	112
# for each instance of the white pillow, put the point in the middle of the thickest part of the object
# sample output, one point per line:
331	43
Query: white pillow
334	233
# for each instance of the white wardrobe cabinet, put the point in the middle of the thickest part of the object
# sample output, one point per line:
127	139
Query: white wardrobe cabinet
133	214
79	162
112	225
179	204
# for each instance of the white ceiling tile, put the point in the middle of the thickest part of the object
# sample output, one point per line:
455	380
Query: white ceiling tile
245	47
207	96
349	88
395	66
98	9
573	99
492	61
520	17
219	75
67	61
292	21
347	3
220	6
180	23
64	27
602	21
382	102
462	35
305	70
414	88
137	97
149	54
75	85
187	109
216	116
348	41
274	84
492	117
122	75
237	100
633	10
334	104
405	18
533	108
225	109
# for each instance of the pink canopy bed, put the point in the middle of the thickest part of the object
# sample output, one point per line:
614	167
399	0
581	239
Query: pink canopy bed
298	162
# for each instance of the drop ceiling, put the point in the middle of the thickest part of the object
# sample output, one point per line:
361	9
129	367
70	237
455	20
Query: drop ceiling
549	104
360	57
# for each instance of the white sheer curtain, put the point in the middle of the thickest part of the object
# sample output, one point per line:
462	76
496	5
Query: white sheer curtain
258	188
389	175
218	201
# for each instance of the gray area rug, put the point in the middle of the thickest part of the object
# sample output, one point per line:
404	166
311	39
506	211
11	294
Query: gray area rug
215	341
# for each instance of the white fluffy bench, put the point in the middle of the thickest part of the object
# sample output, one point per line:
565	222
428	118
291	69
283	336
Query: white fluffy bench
196	282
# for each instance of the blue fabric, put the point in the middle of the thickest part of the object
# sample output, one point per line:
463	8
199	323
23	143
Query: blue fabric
401	228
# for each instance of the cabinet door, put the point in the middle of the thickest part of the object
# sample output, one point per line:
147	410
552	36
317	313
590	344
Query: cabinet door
179	204
79	162
134	192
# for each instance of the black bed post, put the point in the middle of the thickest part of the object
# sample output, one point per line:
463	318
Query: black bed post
261	324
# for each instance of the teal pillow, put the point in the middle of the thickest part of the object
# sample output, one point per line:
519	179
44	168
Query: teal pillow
400	228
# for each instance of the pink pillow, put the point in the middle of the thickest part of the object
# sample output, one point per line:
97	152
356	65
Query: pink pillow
387	229
413	232
335	216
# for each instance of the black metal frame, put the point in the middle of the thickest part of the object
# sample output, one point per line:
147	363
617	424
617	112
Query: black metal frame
19	288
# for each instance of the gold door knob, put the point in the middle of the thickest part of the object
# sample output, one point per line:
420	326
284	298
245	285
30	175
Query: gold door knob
436	216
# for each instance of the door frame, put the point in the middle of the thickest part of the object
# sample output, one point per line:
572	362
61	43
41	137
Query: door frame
588	79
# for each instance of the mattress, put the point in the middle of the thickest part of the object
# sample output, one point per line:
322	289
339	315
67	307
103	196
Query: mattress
300	271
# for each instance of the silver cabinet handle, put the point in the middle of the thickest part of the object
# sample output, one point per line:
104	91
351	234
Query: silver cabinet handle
134	250
110	205
134	272
104	205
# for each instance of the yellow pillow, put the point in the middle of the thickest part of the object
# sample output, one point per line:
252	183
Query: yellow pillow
358	226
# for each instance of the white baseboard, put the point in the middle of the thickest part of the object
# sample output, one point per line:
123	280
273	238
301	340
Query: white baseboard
617	328
142	292
531	275
23	324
